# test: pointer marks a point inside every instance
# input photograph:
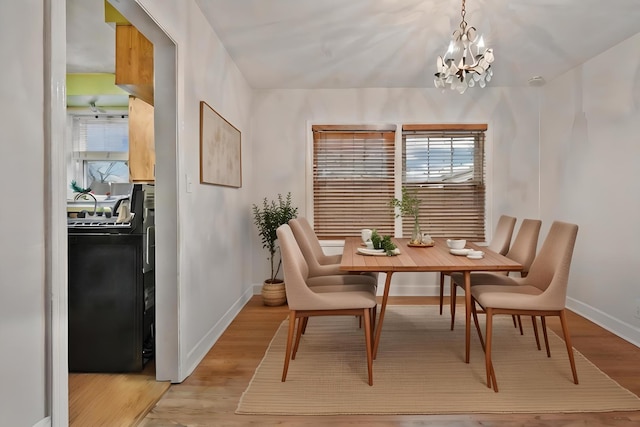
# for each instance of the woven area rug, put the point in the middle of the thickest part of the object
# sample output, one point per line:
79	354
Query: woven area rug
420	370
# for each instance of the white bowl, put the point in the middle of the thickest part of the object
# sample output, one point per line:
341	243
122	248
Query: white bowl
456	243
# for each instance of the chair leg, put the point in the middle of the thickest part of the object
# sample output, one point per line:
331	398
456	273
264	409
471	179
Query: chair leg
287	355
520	324
302	324
453	302
373	317
441	291
374	313
513	317
491	376
474	312
535	331
368	341
544	332
567	340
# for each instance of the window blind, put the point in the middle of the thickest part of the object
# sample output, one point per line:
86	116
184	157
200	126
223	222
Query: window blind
353	179
100	133
443	165
100	150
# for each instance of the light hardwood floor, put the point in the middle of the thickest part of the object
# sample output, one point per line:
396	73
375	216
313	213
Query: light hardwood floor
113	399
210	395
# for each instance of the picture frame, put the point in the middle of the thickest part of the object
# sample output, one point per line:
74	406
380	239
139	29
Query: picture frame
220	149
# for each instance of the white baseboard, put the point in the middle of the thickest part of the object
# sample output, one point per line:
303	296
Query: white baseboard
622	329
200	350
396	290
409	290
45	422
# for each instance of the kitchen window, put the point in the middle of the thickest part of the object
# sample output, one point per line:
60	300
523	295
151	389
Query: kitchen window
100	151
354	178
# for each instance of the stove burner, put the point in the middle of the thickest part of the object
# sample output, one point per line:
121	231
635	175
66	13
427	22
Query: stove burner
97	224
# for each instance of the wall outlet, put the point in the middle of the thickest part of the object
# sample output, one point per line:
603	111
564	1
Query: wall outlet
637	310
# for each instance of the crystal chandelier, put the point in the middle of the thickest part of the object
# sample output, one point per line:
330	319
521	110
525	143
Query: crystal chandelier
466	62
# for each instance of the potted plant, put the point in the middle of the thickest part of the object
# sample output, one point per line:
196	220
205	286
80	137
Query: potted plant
383	242
409	206
268	218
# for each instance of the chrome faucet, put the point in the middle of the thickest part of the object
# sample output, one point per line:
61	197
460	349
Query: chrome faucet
95	201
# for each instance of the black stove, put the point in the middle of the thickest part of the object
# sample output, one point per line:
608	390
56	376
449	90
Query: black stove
111	287
97	224
103	224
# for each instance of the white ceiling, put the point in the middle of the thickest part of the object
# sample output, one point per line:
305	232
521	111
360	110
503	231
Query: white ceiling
381	43
91	43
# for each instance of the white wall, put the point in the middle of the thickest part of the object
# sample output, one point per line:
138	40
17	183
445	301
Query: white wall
590	121
281	119
22	219
213	233
585	124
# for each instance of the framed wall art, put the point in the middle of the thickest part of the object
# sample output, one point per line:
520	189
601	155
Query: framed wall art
220	154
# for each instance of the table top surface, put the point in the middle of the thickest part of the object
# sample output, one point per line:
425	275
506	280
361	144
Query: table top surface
432	258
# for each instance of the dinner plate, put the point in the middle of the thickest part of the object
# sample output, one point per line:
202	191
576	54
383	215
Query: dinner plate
376	252
367	251
475	256
459	251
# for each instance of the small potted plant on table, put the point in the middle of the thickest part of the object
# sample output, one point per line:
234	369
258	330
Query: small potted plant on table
409	206
268	218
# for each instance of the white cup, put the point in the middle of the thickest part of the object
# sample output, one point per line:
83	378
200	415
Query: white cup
369	244
456	243
365	234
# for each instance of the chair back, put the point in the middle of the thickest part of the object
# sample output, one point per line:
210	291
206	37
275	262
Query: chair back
550	269
296	271
502	235
319	264
525	244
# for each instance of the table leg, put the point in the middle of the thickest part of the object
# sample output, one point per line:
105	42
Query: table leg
467	306
385	297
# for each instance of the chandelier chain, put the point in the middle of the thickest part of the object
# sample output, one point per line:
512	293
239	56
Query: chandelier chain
463	12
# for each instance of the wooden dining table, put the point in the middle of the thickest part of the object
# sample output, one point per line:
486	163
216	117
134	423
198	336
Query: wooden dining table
436	258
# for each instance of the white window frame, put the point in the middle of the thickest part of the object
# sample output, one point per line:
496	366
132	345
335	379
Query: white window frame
77	159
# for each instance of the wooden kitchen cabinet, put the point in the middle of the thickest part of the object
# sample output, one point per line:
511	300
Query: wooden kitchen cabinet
142	154
134	62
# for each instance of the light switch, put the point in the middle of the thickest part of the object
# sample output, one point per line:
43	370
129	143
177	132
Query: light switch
189	184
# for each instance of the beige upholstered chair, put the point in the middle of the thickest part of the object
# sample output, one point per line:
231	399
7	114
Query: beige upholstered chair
522	251
304	302
319	263
541	293
499	243
324	270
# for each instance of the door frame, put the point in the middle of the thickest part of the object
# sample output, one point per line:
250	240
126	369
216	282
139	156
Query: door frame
166	142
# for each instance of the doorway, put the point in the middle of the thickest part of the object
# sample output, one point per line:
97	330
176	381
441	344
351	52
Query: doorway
165	127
